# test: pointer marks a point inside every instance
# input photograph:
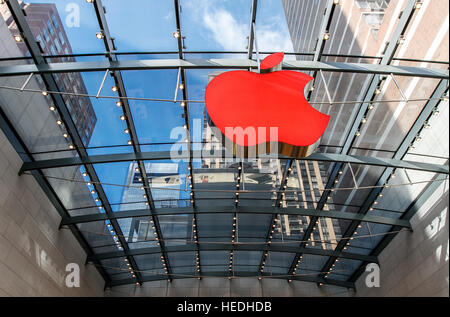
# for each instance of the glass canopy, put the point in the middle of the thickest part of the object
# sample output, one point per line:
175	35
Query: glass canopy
107	102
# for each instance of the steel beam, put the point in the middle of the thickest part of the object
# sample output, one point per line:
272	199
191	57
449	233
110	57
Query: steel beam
235	247
321	40
166	155
251	37
360	68
110	48
272	224
304	278
401	152
239	210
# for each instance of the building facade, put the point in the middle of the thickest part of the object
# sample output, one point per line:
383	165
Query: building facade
48	30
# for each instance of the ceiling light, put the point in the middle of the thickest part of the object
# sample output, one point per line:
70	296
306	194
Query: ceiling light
326	36
71	146
371	106
176	34
44	93
99	35
182	104
18	38
418	5
52	108
181	86
126	131
130	142
59	122
65	135
122	117
119	103
114	88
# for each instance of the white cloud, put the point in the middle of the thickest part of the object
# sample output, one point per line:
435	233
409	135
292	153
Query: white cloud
231	35
225	29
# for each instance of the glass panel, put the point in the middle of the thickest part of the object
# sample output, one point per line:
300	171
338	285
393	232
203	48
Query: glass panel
215	25
272	33
303	19
214	227
182	262
362	27
150	265
154	120
252	227
176	229
65	27
149	29
344	268
310	264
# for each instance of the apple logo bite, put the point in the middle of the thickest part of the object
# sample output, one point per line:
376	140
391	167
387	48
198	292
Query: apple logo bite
248	107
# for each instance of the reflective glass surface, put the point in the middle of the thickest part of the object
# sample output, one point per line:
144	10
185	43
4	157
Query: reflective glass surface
135	164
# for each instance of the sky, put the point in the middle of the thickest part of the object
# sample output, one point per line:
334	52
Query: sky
145	26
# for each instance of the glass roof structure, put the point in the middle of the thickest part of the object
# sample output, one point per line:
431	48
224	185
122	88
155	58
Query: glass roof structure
98	95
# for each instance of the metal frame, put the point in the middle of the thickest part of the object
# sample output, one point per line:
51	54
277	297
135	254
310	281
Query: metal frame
115	66
310	279
238	210
110	48
59	103
236	247
369	96
102	66
166	155
401	152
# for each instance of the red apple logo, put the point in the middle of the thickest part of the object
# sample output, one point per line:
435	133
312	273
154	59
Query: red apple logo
270	99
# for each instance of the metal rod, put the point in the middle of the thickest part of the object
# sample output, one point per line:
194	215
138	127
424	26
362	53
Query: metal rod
349	102
326	88
353	175
256	47
399	88
407	176
102	84
26	82
178	84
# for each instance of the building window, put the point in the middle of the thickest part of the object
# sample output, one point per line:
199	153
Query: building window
61	38
45	34
50	27
58	46
55	21
41	42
